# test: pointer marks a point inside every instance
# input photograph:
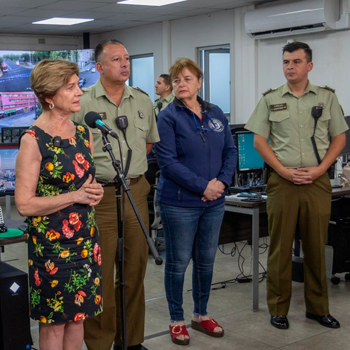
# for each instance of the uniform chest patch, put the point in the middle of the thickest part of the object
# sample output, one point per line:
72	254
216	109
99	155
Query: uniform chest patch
103	115
278	107
216	125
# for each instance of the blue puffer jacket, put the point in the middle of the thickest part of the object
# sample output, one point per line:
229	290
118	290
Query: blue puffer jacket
192	152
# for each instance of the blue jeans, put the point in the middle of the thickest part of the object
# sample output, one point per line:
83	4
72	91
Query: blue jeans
190	233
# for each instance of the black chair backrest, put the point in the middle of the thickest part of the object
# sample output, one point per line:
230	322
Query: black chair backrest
151	173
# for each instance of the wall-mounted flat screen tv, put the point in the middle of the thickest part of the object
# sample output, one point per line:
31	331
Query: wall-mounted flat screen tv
19	106
8	155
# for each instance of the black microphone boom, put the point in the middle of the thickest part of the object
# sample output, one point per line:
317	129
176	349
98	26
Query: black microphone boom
94	120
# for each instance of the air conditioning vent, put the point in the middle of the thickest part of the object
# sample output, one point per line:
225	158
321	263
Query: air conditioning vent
299	17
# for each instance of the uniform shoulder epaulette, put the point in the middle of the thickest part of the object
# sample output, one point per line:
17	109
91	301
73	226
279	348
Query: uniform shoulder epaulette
86	89
268	91
138	89
327	88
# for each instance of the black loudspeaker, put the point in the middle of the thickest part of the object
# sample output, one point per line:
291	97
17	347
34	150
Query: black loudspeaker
14	309
86	40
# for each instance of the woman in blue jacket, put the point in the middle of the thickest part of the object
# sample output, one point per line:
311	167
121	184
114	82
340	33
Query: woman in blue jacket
197	158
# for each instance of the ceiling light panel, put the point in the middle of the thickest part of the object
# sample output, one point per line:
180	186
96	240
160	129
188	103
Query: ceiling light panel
63	21
149	2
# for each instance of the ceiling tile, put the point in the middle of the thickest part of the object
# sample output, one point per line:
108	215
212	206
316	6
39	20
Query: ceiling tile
72	5
26	3
16	16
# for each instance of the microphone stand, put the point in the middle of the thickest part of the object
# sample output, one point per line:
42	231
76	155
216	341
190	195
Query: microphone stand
119	181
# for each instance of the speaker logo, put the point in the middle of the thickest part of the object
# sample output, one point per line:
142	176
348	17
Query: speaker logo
14	288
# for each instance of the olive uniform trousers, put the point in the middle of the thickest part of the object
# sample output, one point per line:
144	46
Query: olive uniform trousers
101	331
306	209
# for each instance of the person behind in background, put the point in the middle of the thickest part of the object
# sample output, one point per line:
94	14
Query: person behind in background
56	189
197	158
298	188
111	97
164	90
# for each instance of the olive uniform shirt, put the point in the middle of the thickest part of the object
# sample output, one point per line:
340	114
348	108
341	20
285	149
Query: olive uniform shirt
142	128
286	120
164	102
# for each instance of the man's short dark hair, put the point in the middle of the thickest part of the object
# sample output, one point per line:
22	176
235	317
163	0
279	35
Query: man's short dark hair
297	45
166	78
100	46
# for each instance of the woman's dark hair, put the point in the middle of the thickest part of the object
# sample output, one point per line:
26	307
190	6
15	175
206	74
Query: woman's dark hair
182	63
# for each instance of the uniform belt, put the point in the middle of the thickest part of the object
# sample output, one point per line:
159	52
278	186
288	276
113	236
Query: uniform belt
129	181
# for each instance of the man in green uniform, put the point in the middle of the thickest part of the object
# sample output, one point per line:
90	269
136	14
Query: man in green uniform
111	97
164	90
298	188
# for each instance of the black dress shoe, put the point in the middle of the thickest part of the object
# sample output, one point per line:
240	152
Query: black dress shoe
134	347
327	320
280	322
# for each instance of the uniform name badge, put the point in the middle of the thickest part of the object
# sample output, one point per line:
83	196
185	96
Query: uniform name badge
141	115
278	107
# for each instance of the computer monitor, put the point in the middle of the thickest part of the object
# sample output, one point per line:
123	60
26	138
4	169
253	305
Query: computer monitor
248	157
236	128
8	154
346	149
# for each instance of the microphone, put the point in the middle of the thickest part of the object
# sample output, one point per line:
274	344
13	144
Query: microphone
159	106
122	122
57	141
93	120
316	111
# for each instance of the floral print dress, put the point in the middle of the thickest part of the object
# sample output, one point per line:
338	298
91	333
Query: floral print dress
63	248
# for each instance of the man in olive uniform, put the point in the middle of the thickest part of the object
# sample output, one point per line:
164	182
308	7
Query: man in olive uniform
111	97
164	90
298	188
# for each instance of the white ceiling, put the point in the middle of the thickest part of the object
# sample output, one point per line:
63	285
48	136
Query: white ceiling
16	16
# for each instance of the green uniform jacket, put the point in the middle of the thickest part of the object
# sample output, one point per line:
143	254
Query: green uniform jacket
142	128
286	120
165	102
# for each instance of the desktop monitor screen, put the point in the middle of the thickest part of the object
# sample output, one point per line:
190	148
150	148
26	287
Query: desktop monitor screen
346	149
237	128
248	157
19	106
8	154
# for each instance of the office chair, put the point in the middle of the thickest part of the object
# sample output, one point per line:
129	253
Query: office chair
156	225
152	176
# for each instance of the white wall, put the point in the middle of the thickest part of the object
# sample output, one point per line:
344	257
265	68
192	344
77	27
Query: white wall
31	42
331	54
256	65
140	40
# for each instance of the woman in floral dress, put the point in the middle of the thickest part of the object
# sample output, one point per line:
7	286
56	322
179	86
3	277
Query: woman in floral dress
56	189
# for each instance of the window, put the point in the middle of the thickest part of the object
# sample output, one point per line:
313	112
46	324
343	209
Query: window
216	88
142	73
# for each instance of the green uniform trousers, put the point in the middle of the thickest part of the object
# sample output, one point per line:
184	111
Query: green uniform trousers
101	331
306	209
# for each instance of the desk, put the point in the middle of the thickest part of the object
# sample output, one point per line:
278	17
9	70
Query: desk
254	209
6	241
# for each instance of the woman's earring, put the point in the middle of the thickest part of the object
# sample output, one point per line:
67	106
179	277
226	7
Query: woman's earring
51	105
